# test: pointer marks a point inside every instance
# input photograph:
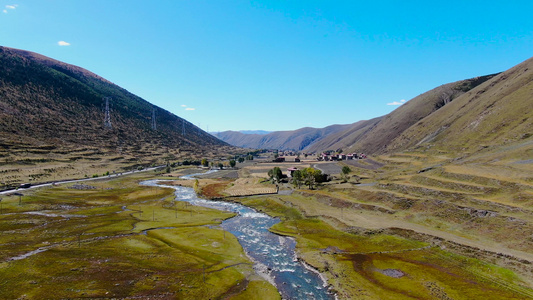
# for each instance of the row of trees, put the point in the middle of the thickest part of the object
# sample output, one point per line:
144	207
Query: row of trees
231	161
308	176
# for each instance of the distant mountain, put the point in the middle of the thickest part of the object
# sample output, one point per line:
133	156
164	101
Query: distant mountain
343	139
283	140
52	105
254	131
459	117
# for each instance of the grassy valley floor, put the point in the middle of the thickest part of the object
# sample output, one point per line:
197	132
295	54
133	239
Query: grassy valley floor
117	239
406	226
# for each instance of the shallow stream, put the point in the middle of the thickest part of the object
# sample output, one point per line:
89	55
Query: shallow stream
273	255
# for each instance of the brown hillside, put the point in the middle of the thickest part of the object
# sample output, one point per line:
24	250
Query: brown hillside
52	116
498	112
344	139
370	136
377	139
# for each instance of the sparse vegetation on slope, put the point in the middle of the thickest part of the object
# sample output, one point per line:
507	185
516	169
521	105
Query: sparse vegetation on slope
495	113
52	118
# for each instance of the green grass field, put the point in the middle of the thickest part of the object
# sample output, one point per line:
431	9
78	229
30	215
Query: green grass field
383	266
119	240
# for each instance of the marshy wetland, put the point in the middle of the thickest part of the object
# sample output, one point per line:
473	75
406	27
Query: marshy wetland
116	238
120	240
273	255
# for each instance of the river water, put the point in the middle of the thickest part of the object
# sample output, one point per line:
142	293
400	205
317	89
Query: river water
273	255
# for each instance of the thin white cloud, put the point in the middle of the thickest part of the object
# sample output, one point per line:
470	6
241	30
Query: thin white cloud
63	43
397	102
190	108
183	105
13	6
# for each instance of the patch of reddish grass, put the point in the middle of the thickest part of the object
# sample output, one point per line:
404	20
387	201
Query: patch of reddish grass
214	190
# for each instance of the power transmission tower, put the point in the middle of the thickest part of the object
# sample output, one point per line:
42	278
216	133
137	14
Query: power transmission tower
154	126
107	116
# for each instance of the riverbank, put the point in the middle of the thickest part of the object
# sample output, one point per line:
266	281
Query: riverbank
382	266
416	227
120	240
273	255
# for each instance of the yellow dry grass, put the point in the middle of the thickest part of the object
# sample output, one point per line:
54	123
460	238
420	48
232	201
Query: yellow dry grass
250	186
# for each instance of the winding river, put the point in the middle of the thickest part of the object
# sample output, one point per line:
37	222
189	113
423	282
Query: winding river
273	255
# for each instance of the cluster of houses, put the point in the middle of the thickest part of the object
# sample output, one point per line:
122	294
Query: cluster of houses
327	157
334	157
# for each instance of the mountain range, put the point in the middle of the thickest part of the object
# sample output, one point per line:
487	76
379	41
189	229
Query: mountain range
56	112
283	140
463	116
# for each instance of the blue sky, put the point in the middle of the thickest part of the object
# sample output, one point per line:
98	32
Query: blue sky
275	65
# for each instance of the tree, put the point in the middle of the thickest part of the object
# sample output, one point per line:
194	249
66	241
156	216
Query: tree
220	166
205	163
275	174
232	163
241	160
297	178
345	171
311	176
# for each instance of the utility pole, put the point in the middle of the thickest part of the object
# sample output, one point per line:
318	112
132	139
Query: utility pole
20	197
154	126
107	116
